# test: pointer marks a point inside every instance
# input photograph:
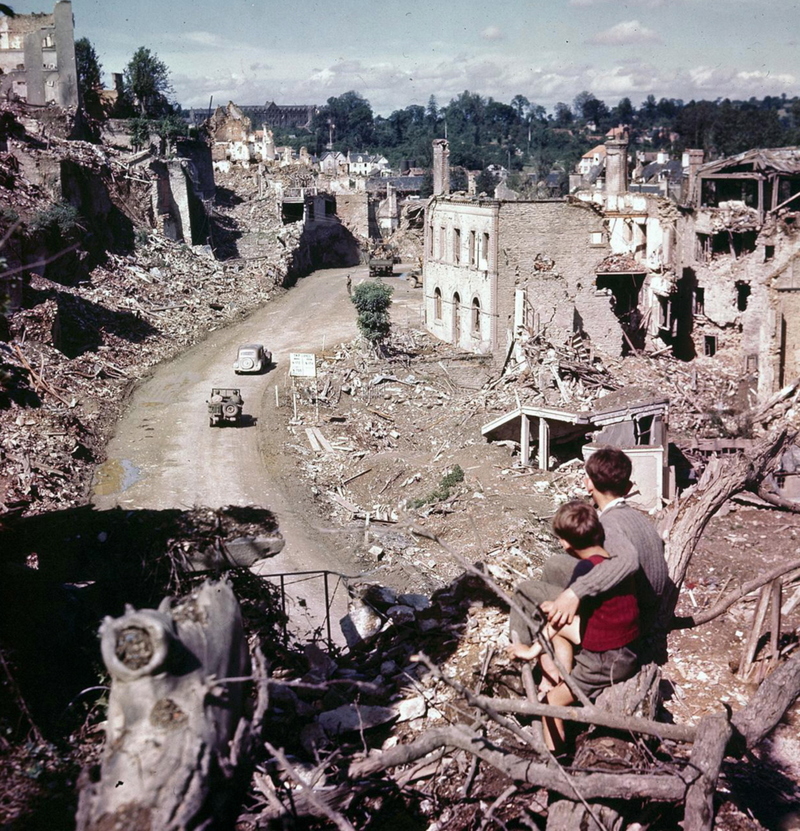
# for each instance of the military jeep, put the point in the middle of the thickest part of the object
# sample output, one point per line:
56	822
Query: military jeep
224	406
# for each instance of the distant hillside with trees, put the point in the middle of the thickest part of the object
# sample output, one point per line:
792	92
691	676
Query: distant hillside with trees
525	138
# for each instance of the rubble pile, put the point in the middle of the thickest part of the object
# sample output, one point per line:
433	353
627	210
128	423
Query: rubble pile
735	217
566	375
81	347
408	240
705	396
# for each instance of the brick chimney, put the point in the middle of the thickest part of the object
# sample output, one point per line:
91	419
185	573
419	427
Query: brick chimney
692	159
617	166
441	167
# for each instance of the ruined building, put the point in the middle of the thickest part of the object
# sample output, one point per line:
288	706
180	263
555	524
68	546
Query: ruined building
713	272
737	265
37	57
492	267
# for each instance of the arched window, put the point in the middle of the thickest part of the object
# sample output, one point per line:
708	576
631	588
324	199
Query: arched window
437	303
476	316
456	318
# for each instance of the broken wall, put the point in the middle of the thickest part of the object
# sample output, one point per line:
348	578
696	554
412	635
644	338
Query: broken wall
730	263
353	211
550	249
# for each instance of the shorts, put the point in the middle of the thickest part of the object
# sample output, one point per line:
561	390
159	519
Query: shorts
595	671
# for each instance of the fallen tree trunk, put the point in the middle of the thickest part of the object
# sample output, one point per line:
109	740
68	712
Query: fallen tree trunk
175	728
660	787
683	523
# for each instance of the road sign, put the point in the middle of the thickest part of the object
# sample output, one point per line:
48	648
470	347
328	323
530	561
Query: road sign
302	365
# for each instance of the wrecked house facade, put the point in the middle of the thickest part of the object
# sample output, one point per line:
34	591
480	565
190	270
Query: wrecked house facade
496	269
37	57
736	294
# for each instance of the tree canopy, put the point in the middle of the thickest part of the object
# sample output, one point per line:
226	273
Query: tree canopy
372	301
89	72
146	83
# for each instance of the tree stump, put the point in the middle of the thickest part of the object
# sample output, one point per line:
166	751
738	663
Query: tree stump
174	710
638	696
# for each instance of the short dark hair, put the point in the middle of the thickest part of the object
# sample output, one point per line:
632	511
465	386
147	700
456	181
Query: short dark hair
610	470
578	524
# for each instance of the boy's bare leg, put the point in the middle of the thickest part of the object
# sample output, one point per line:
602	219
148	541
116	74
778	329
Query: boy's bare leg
562	641
553	728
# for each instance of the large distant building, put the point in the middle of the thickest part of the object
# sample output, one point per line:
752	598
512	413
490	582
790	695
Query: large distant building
272	115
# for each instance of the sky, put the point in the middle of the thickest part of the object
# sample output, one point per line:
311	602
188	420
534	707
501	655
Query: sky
402	52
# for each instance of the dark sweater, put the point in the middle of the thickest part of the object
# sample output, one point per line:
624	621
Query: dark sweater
611	619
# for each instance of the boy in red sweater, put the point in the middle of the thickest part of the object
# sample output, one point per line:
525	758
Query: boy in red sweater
608	626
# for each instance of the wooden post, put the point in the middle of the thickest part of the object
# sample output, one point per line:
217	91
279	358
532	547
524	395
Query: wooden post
544	444
524	439
775	621
751	644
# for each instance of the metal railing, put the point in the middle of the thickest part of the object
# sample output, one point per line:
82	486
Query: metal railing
282	579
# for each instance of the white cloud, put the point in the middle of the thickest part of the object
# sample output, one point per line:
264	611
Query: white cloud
492	33
393	84
202	38
625	33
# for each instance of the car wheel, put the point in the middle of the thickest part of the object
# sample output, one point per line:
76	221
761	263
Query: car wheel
247	363
230	409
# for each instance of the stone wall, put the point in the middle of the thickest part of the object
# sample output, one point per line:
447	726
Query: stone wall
37	57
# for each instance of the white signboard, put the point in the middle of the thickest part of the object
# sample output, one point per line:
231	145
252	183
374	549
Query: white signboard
302	365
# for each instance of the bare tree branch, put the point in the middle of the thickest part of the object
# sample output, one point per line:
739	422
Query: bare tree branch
723	605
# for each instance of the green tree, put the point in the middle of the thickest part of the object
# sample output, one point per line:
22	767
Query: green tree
139	129
486	182
89	72
562	114
590	108
169	128
349	119
458	179
372	301
146	83
521	104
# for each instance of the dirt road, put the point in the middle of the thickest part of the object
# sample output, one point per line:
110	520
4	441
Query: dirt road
164	454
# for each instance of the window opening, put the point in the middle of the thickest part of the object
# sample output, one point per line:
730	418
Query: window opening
769	252
476	316
643	430
456	317
699	300
710	346
742	295
437	303
457	246
472	248
485	251
442	238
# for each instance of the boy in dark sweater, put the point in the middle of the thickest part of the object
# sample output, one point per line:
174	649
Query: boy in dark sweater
609	622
